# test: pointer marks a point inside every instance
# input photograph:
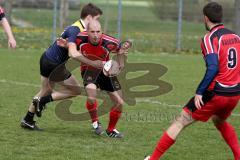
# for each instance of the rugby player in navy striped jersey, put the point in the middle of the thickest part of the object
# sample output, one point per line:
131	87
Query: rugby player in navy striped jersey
54	58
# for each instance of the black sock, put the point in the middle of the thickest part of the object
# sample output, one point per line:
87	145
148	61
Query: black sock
44	100
29	117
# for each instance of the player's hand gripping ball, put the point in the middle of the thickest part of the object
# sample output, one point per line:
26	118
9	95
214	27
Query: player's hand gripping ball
111	68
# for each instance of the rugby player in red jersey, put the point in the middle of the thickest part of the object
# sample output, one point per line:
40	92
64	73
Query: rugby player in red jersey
94	45
219	91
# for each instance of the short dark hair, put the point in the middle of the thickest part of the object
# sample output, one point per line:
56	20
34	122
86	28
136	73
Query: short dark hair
214	12
90	9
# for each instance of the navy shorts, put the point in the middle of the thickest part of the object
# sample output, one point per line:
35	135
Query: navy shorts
54	71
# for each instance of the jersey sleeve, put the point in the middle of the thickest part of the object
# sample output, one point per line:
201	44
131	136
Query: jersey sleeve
110	43
209	47
209	44
71	33
211	71
2	14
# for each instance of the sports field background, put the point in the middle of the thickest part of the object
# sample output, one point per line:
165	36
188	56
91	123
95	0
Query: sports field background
141	124
33	26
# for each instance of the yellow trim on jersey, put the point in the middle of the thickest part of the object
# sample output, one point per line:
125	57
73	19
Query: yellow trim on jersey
79	25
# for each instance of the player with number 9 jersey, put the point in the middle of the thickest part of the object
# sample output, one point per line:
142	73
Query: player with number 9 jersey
226	45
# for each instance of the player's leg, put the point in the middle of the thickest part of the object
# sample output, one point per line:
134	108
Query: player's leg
226	129
28	121
90	81
67	88
44	90
189	115
62	90
91	105
113	88
169	137
115	113
229	135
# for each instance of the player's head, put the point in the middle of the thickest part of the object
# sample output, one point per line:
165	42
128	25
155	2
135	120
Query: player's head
213	14
90	12
94	31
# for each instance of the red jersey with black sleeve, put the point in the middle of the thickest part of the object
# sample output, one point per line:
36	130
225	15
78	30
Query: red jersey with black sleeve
226	45
99	51
2	14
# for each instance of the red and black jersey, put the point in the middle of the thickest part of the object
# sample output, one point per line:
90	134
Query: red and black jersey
226	44
2	14
100	51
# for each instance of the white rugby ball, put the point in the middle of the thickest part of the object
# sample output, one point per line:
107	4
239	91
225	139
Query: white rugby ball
111	68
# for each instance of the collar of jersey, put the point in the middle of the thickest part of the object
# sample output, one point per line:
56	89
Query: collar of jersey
83	24
217	26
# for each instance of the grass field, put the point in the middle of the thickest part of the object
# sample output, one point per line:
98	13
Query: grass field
141	124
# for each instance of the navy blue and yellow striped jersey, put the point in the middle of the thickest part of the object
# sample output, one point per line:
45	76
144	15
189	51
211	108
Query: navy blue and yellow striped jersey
59	54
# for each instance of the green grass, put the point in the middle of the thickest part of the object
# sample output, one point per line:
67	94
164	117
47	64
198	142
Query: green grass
142	124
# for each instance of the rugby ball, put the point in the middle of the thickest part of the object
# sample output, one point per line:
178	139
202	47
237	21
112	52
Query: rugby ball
111	68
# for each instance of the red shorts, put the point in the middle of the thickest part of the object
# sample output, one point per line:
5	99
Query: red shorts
221	106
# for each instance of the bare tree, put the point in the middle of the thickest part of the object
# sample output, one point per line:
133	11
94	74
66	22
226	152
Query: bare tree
63	13
236	20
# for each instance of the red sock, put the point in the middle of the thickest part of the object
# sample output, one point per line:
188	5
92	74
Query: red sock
113	119
163	145
92	109
230	137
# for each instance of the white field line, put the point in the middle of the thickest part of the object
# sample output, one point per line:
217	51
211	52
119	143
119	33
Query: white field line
19	83
138	100
145	100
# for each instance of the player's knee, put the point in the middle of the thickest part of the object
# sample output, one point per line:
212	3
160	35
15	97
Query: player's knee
183	120
44	92
117	108
119	103
91	100
216	120
76	91
179	122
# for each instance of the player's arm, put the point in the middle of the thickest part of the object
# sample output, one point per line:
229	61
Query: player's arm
7	29
211	71
124	47
122	53
62	42
121	58
75	54
71	35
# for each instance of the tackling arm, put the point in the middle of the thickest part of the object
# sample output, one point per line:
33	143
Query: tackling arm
73	53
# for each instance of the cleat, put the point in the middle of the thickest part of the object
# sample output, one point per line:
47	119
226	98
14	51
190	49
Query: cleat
30	125
98	128
114	134
38	106
147	158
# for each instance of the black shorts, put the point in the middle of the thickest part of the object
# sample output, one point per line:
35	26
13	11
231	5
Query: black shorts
206	97
103	82
54	71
